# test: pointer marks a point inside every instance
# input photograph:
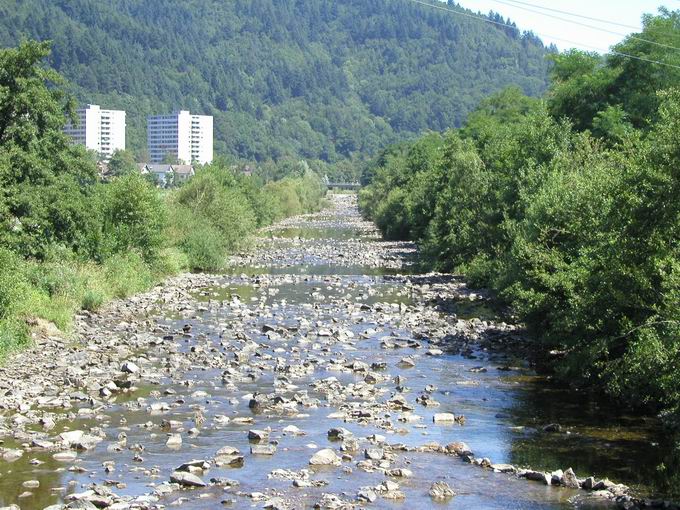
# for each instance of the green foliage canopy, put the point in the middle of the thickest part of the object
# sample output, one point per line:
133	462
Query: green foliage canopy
316	79
568	209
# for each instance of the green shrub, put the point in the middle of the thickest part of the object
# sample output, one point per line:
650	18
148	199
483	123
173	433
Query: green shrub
205	249
579	234
556	275
260	202
14	334
170	261
310	191
224	208
54	277
92	300
216	212
57	309
13	286
12	283
133	217
391	216
285	198
127	274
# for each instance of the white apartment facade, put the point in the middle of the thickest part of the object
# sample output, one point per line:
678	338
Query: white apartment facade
181	135
102	131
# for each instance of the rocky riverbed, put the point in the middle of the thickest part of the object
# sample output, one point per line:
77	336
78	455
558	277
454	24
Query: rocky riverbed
319	372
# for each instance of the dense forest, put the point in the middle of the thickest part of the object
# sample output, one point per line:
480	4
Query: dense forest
568	208
69	241
314	79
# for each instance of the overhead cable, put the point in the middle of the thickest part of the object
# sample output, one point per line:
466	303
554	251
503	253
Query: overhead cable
507	25
590	26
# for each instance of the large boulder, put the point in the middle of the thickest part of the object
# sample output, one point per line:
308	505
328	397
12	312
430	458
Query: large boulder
186	479
441	490
325	457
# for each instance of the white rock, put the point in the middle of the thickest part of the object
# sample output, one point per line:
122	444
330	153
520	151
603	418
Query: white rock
325	457
174	441
444	418
129	367
186	479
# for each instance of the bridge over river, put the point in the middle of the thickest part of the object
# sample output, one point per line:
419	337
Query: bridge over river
340	185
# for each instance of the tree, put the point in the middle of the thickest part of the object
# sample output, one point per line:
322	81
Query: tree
337	82
568	211
171	159
122	162
586	84
133	217
583	85
39	169
31	107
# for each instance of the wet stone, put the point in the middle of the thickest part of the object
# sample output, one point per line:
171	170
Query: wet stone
444	418
374	453
569	479
174	441
367	495
325	457
129	367
258	435
441	490
187	479
338	434
193	465
503	468
260	449
65	456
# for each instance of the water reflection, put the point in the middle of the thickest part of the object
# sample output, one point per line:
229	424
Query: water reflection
13	474
596	438
321	269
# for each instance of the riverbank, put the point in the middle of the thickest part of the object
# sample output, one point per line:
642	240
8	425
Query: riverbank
316	371
138	236
569	227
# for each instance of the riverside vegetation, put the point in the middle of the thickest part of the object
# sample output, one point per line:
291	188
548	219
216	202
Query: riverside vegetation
312	373
69	241
567	207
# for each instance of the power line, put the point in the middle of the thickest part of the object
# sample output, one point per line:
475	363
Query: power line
586	25
507	25
637	29
643	59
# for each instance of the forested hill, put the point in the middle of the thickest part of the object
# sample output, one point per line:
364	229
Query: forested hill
314	78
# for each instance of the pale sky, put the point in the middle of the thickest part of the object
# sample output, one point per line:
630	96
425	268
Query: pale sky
568	35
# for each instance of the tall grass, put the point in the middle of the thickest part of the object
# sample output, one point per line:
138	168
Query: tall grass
55	290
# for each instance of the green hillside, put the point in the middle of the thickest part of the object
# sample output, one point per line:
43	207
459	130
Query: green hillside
313	78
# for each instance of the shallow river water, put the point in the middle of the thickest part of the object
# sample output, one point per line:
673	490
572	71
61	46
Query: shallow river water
318	321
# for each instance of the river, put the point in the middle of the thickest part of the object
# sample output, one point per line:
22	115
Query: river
321	326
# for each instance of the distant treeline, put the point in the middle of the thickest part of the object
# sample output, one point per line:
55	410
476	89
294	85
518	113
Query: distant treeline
569	208
69	241
313	79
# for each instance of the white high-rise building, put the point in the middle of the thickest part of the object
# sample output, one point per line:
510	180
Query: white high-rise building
102	131
189	138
